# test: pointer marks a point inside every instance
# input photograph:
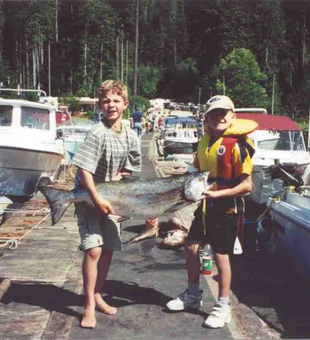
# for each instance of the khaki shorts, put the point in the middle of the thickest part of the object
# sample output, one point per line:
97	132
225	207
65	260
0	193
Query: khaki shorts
97	229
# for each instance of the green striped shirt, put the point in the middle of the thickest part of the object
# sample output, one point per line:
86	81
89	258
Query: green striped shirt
105	152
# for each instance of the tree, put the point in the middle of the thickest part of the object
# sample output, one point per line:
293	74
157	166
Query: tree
240	78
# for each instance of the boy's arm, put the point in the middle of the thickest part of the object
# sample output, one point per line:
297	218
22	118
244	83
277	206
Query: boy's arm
133	161
244	187
88	182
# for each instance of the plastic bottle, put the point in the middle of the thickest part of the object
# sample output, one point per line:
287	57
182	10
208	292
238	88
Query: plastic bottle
206	260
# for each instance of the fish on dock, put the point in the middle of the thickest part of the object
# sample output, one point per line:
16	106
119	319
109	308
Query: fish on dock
135	197
173	229
151	229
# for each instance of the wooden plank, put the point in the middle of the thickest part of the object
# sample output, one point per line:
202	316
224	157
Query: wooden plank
59	324
44	256
4	286
17	325
53	269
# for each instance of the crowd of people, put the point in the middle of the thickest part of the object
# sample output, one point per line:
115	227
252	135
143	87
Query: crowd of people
112	150
146	123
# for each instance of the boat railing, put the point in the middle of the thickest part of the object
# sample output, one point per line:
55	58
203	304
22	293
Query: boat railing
18	90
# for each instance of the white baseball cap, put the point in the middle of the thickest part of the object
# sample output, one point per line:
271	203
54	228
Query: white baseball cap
219	102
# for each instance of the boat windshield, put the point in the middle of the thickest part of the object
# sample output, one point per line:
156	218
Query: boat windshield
6	115
35	118
281	140
176	124
74	131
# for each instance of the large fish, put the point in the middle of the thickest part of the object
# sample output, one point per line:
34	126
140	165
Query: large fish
132	197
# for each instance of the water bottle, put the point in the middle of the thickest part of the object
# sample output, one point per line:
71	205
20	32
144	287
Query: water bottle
206	260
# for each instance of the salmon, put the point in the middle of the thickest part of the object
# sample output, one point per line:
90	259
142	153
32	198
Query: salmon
133	197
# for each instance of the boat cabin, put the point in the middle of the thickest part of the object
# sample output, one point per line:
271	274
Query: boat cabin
277	139
29	148
179	135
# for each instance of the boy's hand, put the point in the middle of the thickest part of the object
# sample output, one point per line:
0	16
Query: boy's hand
120	175
104	206
211	194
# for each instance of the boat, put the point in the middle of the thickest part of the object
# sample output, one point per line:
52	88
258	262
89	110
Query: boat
291	217
278	139
73	136
29	147
179	136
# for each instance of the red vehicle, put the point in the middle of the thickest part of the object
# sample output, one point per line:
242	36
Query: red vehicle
63	117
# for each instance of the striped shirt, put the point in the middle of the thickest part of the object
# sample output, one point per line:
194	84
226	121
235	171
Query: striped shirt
106	152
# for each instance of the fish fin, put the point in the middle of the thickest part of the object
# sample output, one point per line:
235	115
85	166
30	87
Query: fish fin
118	218
57	205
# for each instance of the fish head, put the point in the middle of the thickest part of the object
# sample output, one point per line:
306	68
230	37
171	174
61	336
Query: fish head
195	185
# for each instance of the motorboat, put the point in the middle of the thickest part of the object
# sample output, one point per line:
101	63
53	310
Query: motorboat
29	147
278	139
291	217
179	135
73	136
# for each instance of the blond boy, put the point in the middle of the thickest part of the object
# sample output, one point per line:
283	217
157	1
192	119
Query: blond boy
110	151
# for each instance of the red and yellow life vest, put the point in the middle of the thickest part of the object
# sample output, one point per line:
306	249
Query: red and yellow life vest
229	156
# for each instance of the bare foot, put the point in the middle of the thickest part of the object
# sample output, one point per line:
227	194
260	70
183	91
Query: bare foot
89	319
103	306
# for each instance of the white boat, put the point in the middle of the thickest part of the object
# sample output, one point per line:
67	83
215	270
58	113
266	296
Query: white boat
292	231
179	136
278	139
73	136
29	148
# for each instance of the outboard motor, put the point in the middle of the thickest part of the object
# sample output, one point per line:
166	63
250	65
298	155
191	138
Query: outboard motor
286	172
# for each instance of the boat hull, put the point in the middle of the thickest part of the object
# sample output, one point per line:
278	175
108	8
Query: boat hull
292	234
21	169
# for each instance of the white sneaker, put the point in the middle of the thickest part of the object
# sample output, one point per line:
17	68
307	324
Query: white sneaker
219	316
185	300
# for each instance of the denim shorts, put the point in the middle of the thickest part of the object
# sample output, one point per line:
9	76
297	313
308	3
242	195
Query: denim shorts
220	230
96	229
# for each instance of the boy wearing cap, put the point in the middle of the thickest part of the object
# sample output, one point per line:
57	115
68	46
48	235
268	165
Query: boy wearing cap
226	152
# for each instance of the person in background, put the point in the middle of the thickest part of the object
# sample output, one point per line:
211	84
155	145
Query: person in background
110	151
226	152
137	121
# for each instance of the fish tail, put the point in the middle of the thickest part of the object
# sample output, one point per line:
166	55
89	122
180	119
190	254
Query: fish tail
56	202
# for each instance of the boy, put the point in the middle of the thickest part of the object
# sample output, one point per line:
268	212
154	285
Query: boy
110	151
228	158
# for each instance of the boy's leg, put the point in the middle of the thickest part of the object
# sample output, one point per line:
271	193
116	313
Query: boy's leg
89	268
221	313
103	269
192	261
224	231
224	271
191	297
91	243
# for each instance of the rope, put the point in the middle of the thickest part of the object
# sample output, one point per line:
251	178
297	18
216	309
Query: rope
13	242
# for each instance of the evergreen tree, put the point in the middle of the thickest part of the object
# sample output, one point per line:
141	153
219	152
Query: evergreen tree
241	79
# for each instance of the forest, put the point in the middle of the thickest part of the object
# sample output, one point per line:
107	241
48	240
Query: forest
255	51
